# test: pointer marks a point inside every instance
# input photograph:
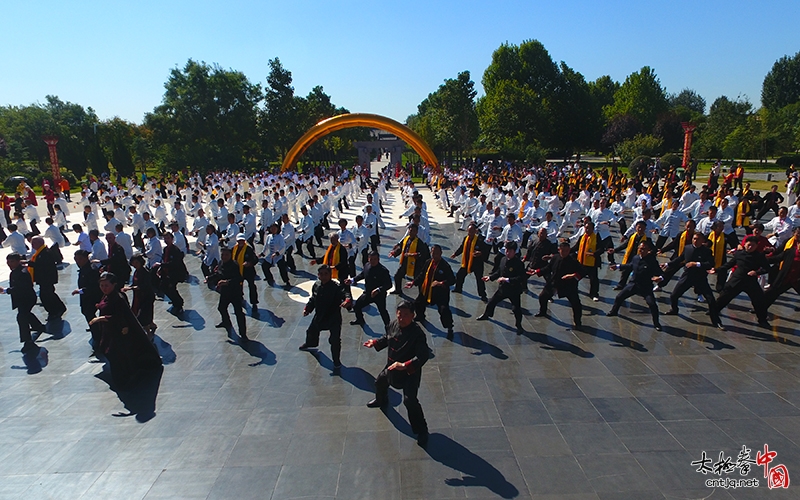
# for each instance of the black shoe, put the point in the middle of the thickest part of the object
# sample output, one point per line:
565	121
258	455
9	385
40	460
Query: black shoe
540	315
422	439
255	313
482	317
223	325
450	333
457	290
306	347
357	322
396	292
658	327
244	338
520	330
720	327
178	311
611	313
764	324
484	299
578	325
671	312
618	287
376	403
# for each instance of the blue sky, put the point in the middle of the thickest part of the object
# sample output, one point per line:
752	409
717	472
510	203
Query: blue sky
378	57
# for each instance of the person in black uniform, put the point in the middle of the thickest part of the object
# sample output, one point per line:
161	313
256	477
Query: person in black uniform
89	290
23	298
408	351
42	267
377	281
539	253
696	260
244	255
770	201
645	271
788	275
563	272
512	277
231	293
171	272
327	299
630	246
117	262
474	250
412	252
434	279
749	265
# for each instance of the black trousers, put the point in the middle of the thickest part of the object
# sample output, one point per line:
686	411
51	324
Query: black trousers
410	387
366	299
594	281
571	296
513	297
351	265
289	258
26	321
660	241
207	270
398	278
776	289
606	244
442	305
732	240
265	266
766	209
51	301
374	241
752	289
89	312
335	338
630	291
226	299
251	283
700	286
477	271
170	289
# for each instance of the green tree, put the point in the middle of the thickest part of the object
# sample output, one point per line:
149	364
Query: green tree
448	117
640	96
781	86
207	119
641	145
284	115
724	116
688	99
569	108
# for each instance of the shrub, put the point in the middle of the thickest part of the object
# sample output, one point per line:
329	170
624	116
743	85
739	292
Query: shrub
788	160
639	163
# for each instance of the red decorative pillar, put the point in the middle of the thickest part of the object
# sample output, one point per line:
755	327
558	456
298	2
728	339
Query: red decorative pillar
688	131
51	142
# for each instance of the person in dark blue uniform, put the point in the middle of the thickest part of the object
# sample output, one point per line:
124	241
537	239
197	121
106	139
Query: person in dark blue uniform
408	351
23	298
512	278
377	282
645	271
327	299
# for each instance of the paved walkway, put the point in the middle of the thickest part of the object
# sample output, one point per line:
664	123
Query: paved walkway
616	411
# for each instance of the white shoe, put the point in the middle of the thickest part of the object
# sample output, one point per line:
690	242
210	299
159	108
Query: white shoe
596	299
656	288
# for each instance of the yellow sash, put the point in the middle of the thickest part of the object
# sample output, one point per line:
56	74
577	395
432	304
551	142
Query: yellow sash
467	254
586	249
405	247
682	242
717	247
629	251
521	211
427	283
331	259
238	257
742	209
789	244
31	270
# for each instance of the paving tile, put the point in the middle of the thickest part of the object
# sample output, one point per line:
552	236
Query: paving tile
244	482
625	409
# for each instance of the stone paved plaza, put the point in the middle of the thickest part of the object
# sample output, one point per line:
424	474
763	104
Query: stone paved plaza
615	411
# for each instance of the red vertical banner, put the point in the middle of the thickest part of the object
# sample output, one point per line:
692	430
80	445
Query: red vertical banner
51	142
688	132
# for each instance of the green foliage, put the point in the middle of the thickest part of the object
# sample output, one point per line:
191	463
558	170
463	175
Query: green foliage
671	160
638	164
781	86
641	145
641	96
788	160
447	118
207	119
723	117
689	99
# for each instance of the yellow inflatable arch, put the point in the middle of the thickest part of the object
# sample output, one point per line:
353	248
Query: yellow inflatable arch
352	120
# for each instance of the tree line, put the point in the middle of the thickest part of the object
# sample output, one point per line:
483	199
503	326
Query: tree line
535	108
210	118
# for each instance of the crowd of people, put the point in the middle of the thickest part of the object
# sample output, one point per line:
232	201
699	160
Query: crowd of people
549	226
